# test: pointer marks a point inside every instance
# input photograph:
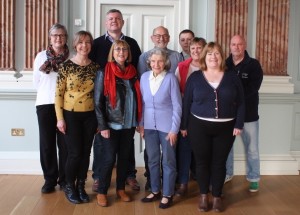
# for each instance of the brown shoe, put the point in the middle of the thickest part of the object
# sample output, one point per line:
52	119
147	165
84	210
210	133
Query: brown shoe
95	185
123	196
133	183
203	203
217	204
182	190
102	200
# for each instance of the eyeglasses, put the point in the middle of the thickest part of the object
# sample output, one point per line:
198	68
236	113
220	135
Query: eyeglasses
58	35
119	49
158	36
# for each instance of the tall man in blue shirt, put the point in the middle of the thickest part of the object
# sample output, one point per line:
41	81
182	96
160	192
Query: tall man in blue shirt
99	53
160	38
250	72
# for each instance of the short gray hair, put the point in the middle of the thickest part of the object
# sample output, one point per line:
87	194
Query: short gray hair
58	26
163	53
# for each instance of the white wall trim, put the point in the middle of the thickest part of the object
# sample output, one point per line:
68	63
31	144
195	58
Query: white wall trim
277	84
296	155
29	163
269	165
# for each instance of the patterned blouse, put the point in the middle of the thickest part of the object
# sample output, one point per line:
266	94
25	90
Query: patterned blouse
75	88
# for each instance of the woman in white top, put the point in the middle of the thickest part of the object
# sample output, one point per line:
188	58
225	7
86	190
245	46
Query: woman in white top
44	79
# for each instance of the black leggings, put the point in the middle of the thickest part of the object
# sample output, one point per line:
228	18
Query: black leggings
81	128
211	143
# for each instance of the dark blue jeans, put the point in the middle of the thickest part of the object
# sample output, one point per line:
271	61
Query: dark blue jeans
184	157
98	156
98	159
118	145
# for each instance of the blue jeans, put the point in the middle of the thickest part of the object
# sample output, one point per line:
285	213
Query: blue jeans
184	156
155	143
250	139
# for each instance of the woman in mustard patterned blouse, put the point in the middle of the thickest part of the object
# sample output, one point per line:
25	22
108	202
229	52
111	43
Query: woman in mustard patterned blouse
74	106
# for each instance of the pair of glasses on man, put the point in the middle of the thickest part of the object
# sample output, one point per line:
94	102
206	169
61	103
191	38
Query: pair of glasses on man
163	36
58	35
119	49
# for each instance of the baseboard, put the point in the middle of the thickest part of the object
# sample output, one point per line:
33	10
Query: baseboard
269	165
29	163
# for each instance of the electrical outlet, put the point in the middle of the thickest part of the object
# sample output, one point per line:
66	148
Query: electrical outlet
17	132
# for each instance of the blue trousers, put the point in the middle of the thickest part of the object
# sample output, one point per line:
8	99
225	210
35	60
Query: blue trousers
157	145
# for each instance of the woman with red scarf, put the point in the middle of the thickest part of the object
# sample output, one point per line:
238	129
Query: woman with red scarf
118	110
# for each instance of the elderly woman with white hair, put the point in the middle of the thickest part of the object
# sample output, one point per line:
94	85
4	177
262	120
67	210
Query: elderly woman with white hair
160	125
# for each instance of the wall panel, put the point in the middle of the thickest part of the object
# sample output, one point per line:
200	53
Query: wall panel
272	36
40	15
7	34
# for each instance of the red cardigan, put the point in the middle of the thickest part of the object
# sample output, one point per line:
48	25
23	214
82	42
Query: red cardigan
183	71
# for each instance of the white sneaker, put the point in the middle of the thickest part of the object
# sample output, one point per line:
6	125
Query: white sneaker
228	178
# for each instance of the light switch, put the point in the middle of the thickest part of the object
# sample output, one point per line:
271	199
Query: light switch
78	22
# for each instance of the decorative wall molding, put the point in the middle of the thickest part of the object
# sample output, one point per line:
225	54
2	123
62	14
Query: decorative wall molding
269	165
29	163
277	84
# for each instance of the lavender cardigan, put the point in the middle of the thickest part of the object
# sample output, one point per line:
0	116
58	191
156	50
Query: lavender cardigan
162	111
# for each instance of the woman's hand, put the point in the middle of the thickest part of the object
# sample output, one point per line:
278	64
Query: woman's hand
105	133
61	125
140	129
172	138
237	131
183	133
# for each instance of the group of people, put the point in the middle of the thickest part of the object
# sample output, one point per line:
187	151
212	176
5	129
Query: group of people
188	107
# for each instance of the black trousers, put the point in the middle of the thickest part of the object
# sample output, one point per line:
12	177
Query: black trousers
211	143
51	139
81	128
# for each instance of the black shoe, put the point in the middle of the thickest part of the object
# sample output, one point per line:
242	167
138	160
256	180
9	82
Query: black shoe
84	197
168	204
71	194
48	188
62	186
155	197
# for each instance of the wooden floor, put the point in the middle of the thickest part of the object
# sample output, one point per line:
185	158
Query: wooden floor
278	195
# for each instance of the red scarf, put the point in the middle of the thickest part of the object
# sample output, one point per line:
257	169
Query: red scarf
111	71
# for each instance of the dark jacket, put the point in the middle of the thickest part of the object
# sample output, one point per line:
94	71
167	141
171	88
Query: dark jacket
101	47
250	73
104	111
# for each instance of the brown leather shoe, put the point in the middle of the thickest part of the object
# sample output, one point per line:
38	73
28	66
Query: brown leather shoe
102	200
133	183
203	203
123	196
182	190
217	204
95	185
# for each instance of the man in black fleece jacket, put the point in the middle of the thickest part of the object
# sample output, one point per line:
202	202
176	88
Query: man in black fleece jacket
250	73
